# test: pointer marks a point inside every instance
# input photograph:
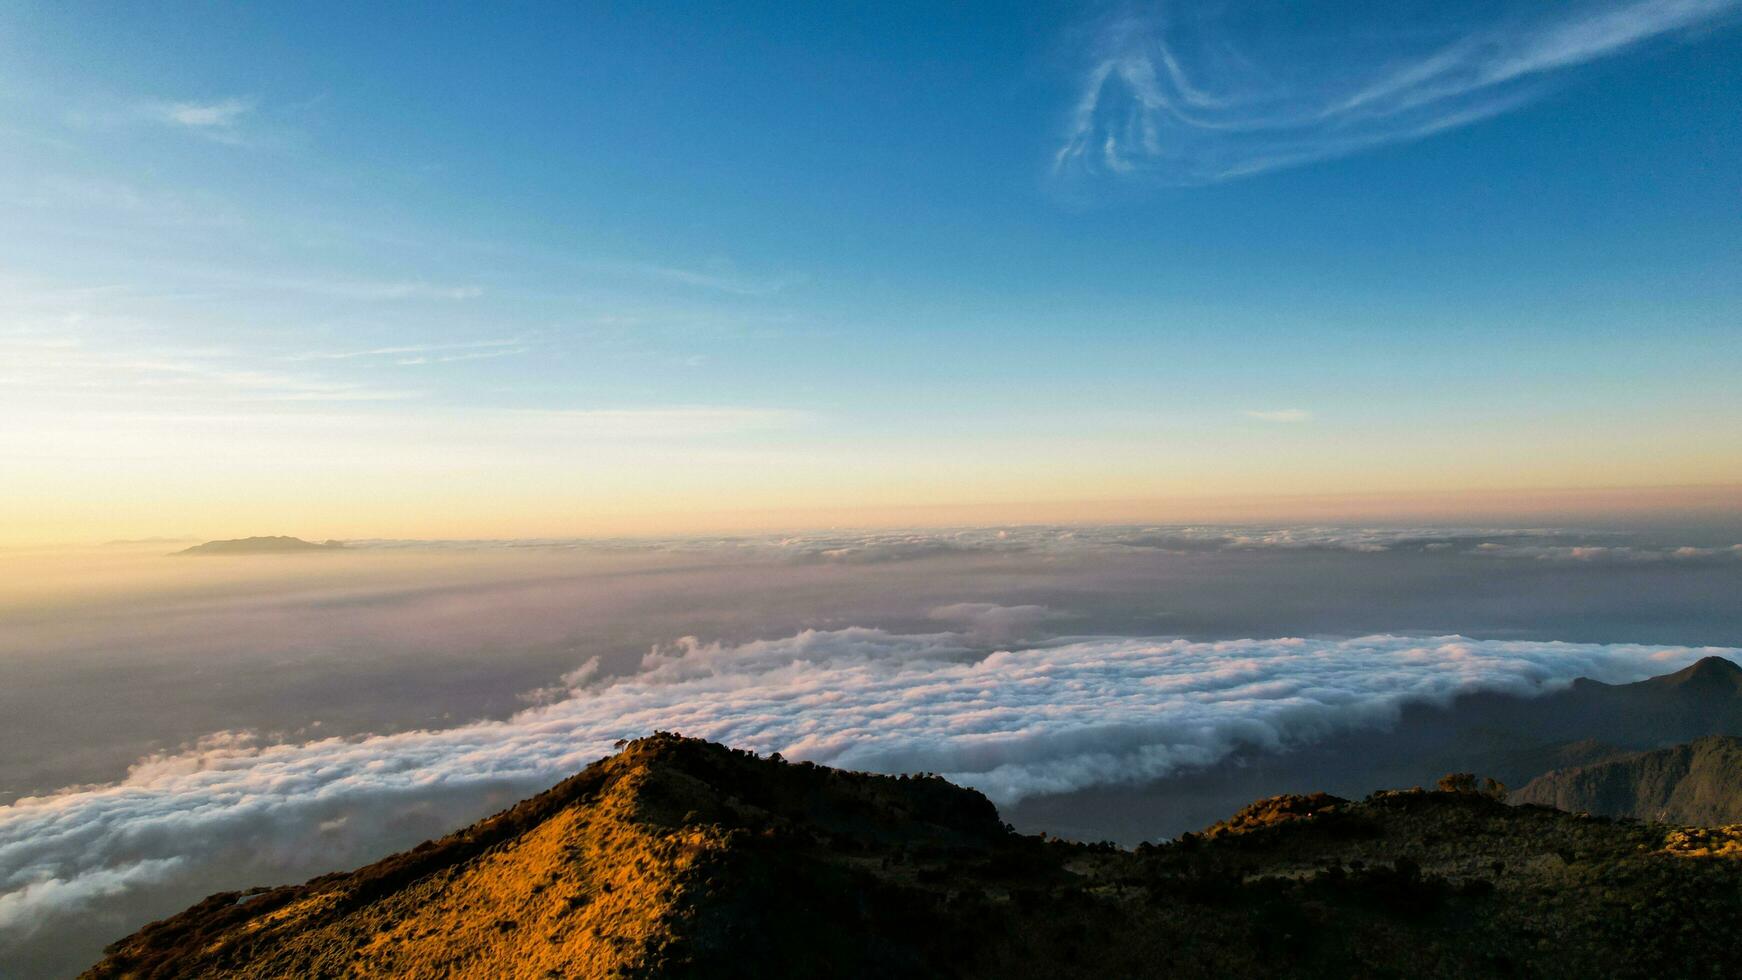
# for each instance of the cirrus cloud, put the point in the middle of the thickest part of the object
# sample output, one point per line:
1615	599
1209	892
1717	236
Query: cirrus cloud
1182	95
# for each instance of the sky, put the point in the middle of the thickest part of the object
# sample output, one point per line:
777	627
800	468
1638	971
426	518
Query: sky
427	271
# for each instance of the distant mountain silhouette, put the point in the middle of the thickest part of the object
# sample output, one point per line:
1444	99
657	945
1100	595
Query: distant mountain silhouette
1696	783
681	858
259	546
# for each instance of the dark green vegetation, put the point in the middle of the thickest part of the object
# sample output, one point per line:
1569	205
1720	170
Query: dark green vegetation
683	858
271	545
1696	783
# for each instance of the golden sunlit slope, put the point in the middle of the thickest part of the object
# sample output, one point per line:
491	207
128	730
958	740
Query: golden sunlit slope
680	858
653	858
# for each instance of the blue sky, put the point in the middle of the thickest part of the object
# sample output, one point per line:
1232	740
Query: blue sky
812	256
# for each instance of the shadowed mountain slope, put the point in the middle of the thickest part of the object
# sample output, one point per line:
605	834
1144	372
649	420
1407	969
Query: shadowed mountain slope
1696	783
680	858
1511	738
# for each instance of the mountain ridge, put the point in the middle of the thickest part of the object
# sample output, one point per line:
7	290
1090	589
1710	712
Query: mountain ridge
260	545
682	858
1712	673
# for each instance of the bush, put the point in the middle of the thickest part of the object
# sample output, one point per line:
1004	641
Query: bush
1466	783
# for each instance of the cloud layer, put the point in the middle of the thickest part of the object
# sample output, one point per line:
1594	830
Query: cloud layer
877	547
1012	722
1183	94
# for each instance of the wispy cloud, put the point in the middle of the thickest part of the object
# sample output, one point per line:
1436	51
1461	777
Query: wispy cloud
219	120
1280	415
422	353
202	115
477	355
63	365
671	422
721	276
364	289
1181	95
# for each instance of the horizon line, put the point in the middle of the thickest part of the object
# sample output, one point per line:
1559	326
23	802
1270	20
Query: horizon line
1665	501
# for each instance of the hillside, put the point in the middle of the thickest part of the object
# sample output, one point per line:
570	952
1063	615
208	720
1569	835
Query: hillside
680	858
1696	783
269	545
1512	738
1704	698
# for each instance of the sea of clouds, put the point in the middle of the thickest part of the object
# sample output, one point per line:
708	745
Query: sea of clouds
1010	719
874	547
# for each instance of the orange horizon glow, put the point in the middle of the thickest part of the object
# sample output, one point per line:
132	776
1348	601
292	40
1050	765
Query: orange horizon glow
1516	505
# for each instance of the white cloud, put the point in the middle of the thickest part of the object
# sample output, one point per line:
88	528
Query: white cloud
1012	722
1280	415
18	906
1192	95
220	120
719	276
1608	553
395	436
721	280
674	422
486	348
991	622
114	398
477	355
875	547
43	365
203	115
342	288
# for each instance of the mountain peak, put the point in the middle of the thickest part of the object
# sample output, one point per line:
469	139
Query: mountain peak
1709	673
